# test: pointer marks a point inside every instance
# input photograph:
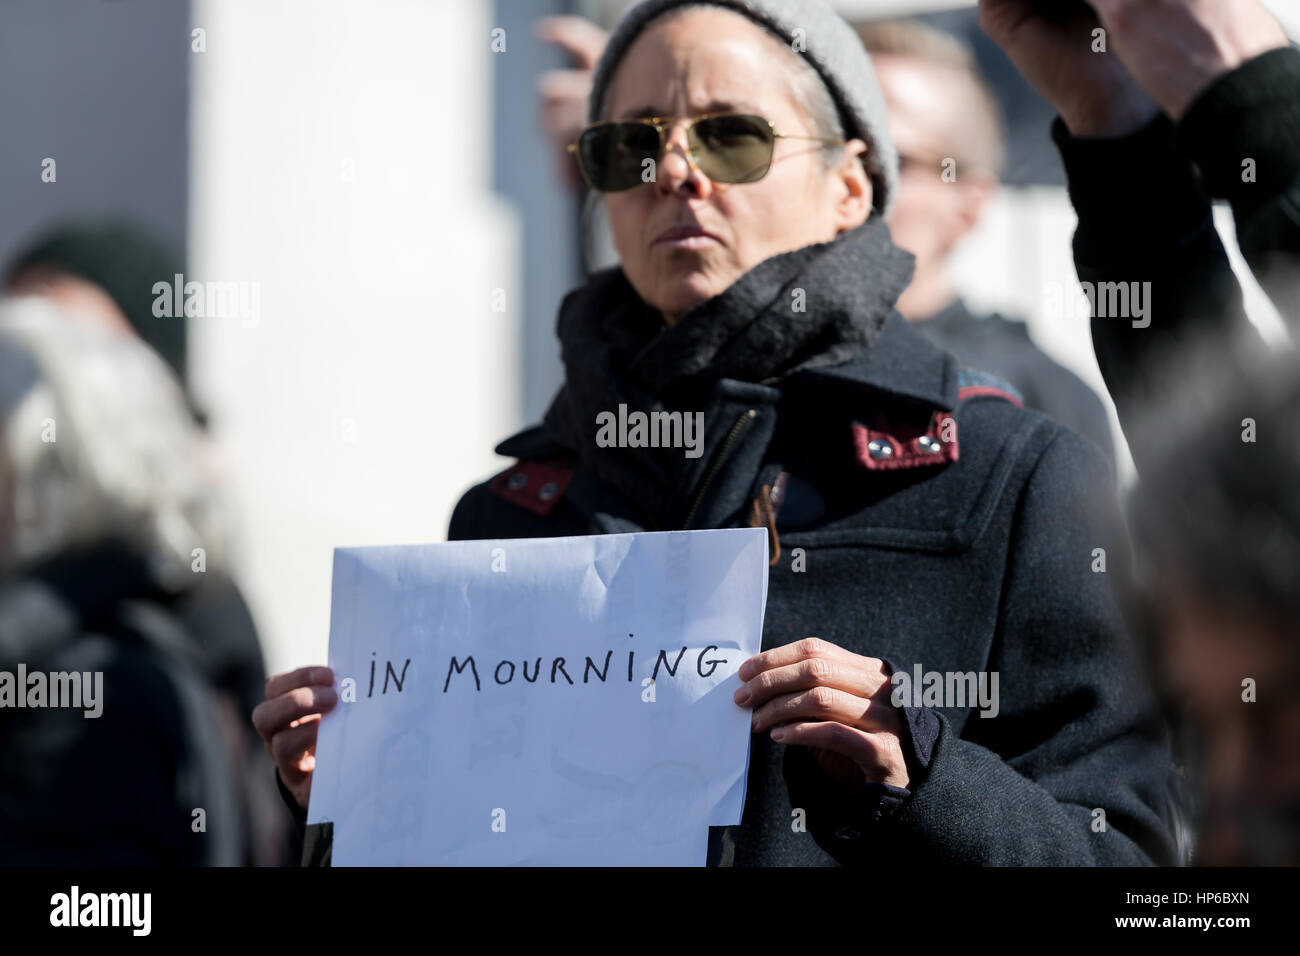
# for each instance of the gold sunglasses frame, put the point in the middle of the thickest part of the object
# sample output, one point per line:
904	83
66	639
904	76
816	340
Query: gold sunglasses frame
664	123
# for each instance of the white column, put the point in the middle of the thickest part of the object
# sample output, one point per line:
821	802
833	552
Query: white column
340	160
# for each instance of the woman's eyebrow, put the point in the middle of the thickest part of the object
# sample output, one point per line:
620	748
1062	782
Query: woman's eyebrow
642	113
713	106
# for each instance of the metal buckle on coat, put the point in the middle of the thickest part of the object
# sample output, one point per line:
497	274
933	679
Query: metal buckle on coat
890	443
535	485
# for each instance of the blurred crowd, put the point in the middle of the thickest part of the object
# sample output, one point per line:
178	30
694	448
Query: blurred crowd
114	560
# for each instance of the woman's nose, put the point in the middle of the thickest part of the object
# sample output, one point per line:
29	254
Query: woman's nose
676	168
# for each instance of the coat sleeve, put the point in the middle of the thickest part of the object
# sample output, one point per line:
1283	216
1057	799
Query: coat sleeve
1077	742
1243	135
1147	250
1143	203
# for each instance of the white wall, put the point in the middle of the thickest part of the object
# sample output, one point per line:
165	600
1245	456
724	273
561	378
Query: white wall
340	159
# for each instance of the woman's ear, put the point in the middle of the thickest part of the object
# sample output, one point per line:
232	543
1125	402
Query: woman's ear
852	187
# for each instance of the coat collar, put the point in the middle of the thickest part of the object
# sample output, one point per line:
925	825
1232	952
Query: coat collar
902	362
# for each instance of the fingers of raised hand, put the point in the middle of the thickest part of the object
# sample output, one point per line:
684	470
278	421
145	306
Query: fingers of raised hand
581	39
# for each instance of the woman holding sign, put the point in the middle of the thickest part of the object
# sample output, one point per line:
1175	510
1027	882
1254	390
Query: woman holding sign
969	696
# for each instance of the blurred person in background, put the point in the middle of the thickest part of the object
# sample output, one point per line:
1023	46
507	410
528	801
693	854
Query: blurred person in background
940	109
1195	100
106	496
103	271
1198	100
943	525
1217	522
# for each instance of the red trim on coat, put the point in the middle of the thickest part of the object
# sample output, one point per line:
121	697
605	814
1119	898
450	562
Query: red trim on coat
905	443
974	391
535	485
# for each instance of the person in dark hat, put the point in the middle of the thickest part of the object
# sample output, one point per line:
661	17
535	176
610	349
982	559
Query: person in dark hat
105	271
113	560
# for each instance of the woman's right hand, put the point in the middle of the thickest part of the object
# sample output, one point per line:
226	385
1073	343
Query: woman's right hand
288	720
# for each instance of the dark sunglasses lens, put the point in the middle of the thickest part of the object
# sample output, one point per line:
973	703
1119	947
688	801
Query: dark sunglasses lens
614	155
734	148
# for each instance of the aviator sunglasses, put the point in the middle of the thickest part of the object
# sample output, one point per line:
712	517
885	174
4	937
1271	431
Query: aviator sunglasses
726	147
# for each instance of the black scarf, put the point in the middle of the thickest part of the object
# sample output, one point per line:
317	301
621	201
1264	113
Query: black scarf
816	306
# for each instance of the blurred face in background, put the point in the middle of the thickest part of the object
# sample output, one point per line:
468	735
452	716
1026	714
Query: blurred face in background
99	445
929	111
1251	748
683	238
79	297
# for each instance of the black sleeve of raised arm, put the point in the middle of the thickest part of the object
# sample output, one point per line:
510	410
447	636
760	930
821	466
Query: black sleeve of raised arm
1147	249
1243	134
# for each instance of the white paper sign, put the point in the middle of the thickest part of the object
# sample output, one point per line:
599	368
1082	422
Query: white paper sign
540	701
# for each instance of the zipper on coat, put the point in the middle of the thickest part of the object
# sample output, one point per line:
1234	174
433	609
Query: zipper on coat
719	459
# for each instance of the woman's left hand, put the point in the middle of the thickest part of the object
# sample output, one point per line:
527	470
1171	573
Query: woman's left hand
818	695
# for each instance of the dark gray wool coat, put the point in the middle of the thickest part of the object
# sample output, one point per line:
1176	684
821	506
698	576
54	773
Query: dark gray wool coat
962	546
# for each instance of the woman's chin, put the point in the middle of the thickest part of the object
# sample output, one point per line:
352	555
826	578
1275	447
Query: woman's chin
689	291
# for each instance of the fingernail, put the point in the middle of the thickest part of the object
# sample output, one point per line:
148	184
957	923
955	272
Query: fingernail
778	733
742	695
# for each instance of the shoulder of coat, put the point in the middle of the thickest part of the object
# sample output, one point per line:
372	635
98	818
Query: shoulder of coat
973	384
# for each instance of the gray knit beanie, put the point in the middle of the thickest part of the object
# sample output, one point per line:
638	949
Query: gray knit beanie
823	38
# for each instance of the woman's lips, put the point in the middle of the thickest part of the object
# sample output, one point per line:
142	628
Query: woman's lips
685	237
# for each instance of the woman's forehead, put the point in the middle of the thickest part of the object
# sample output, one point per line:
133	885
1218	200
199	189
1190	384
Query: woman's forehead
676	67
